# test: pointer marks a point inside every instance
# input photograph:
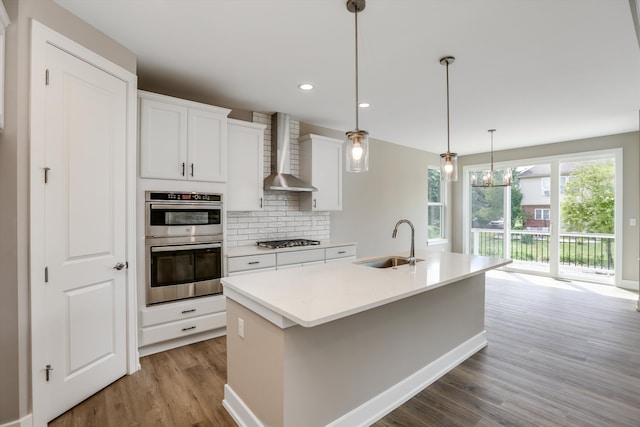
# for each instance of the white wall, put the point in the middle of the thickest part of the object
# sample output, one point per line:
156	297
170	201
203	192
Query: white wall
395	187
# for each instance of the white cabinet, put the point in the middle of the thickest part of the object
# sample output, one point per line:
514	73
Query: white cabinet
173	321
245	175
340	253
321	166
182	140
290	258
300	258
250	263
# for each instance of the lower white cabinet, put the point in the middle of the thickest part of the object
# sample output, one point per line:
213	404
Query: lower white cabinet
340	253
300	258
180	319
250	263
243	264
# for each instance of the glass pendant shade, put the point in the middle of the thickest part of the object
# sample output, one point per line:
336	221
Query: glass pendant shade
357	151
449	166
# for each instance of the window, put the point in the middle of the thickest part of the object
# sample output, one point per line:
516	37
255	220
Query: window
542	214
546	186
435	202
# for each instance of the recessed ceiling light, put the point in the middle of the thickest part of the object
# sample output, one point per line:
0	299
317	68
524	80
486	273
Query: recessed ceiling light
364	105
305	86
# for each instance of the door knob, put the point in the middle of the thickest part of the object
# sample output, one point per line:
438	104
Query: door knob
120	266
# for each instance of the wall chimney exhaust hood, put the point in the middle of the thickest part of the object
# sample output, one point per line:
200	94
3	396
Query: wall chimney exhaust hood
281	178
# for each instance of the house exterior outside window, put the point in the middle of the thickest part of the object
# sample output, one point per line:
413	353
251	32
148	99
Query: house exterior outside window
435	202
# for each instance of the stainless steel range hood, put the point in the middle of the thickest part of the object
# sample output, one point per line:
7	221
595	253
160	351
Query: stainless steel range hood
281	178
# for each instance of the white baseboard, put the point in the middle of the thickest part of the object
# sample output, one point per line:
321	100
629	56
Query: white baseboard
22	422
240	412
377	407
631	285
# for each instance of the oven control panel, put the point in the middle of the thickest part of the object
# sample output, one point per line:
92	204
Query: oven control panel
187	197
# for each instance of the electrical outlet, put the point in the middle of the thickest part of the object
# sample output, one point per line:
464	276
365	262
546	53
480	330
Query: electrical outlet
241	327
632	222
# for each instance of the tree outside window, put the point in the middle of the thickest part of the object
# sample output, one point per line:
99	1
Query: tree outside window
435	202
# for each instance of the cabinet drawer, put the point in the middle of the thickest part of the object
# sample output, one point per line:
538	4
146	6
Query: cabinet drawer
250	262
300	257
341	252
182	328
181	310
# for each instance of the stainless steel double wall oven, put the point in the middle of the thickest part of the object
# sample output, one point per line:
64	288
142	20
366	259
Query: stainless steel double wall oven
183	245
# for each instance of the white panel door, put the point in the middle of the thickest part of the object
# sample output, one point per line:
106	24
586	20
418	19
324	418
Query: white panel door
207	151
81	321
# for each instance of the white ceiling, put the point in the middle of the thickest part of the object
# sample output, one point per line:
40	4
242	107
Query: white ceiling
538	71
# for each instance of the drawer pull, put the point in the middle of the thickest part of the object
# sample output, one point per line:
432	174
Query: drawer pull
254	262
342	252
191	310
188	328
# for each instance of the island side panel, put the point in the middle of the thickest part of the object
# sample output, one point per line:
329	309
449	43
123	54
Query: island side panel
333	368
255	363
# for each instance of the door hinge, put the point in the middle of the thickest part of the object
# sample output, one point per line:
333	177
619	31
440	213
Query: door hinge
46	175
46	275
46	77
48	369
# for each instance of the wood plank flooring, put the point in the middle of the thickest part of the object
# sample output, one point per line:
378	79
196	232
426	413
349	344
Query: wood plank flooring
559	354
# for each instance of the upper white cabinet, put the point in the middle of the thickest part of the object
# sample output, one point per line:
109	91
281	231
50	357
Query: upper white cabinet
321	166
4	23
181	139
245	175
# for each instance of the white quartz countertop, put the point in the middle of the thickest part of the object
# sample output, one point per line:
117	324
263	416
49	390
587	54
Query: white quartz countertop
257	250
317	294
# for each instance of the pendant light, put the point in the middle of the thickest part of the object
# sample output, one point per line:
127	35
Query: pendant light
448	160
488	178
357	146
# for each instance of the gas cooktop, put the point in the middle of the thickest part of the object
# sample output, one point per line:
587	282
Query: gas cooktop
288	243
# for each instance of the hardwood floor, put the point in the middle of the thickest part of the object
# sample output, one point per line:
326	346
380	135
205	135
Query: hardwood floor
559	354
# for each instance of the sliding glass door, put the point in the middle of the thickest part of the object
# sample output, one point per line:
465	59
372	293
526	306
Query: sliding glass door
558	217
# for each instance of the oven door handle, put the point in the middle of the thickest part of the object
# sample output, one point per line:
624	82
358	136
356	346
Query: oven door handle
187	206
185	247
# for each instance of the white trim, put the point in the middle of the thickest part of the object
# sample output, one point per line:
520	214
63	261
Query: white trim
40	37
26	421
380	405
180	342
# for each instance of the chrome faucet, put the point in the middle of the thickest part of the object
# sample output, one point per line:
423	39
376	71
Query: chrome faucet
412	253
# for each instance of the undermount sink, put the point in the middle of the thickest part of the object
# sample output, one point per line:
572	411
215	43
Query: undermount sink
386	262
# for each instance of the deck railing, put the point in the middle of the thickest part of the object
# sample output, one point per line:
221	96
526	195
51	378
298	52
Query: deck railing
585	251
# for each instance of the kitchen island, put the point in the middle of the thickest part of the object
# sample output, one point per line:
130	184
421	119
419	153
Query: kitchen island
343	344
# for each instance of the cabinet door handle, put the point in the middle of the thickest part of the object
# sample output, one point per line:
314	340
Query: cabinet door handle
188	328
260	201
182	168
342	252
314	203
191	169
191	310
254	262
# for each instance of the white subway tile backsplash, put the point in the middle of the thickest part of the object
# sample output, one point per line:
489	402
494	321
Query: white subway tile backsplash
281	217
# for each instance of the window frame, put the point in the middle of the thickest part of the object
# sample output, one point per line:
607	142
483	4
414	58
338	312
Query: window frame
441	204
542	216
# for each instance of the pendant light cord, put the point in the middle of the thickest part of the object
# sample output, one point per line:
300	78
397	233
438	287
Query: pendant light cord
448	124
491	132
356	18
